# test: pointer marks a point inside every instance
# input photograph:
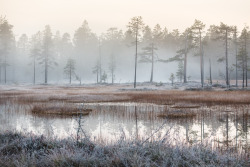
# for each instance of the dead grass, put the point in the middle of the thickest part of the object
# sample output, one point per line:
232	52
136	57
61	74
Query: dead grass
185	106
60	110
114	94
194	97
177	114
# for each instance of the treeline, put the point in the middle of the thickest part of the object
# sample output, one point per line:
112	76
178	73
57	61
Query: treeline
217	51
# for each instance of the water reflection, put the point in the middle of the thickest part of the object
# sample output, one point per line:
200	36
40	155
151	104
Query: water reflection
225	126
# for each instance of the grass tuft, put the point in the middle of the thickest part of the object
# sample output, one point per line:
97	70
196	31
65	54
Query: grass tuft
59	109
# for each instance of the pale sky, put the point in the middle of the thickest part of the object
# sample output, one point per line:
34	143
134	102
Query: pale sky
29	16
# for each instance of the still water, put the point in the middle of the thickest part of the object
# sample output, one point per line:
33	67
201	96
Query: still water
108	122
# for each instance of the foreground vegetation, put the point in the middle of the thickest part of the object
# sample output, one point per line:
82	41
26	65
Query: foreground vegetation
29	150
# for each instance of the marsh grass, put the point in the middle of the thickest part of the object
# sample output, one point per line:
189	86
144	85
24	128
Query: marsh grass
59	109
185	106
198	98
177	114
113	94
28	150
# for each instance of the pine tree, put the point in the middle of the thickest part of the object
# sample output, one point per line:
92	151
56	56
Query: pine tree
69	69
224	33
6	45
135	25
104	77
47	56
172	79
112	67
197	31
180	71
96	70
35	51
243	42
148	55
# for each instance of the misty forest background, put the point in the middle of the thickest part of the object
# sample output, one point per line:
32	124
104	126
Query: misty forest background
200	53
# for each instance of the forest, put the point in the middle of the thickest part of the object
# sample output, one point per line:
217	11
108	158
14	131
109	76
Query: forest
208	54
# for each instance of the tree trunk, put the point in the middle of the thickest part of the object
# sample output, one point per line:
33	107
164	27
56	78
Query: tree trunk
46	69
246	57
152	67
100	55
34	71
0	73
5	69
70	71
97	76
112	75
136	40
236	62
185	63
227	79
236	70
201	61
185	68
210	72
243	74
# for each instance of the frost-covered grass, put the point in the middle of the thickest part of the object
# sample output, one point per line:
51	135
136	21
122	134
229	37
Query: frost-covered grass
192	97
118	93
28	150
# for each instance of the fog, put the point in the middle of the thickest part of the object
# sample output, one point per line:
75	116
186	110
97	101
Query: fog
90	41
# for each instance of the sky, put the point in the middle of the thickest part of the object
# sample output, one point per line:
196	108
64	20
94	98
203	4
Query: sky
30	16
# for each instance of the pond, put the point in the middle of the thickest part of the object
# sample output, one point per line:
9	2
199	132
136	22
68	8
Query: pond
224	126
